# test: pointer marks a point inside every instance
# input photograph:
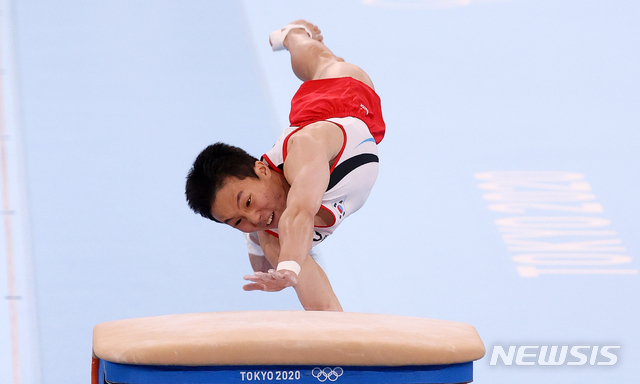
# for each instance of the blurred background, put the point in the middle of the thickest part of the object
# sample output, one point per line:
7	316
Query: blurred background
518	109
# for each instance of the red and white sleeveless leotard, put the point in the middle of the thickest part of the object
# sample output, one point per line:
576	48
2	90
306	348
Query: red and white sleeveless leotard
355	108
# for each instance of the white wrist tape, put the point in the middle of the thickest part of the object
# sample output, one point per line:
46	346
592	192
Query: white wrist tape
277	37
289	265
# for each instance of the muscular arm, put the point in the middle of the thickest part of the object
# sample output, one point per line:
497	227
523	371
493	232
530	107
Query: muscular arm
259	263
306	168
314	289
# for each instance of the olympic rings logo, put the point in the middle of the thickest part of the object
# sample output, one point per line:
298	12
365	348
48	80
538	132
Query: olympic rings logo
327	374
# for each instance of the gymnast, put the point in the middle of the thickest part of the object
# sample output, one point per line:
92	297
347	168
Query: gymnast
319	171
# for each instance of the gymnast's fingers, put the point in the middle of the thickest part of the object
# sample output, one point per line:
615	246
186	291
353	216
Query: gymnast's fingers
254	287
274	274
258	277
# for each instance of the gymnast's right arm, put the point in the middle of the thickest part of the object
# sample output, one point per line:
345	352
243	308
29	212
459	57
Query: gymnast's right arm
259	263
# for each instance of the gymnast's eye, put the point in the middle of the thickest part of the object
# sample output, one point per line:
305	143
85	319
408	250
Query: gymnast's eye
249	201
238	222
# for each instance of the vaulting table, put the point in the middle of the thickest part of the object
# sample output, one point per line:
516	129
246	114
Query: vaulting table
279	347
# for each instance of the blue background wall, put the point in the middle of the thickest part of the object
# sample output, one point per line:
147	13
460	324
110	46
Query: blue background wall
108	103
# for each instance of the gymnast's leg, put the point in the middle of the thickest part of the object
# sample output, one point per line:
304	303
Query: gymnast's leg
312	60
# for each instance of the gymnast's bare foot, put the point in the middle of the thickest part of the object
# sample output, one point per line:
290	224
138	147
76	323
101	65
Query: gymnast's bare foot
316	34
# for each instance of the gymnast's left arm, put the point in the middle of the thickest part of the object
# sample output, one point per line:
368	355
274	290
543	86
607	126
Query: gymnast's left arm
313	287
306	169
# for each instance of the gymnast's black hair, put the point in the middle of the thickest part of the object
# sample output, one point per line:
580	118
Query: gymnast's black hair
210	171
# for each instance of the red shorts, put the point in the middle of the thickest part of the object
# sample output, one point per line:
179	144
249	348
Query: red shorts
318	100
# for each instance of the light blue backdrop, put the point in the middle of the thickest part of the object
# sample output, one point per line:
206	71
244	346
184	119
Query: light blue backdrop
115	99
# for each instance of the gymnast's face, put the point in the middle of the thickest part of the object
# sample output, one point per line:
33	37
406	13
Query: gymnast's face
251	204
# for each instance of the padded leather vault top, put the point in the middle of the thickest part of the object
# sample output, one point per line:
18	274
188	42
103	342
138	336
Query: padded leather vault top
286	338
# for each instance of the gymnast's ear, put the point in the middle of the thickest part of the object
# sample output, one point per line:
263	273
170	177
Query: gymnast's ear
261	169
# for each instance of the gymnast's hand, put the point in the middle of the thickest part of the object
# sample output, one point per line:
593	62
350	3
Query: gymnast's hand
271	281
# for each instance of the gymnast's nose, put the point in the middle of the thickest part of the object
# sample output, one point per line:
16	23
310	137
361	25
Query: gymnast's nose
254	217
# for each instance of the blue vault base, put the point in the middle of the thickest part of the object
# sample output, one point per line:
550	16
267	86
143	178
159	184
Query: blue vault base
113	373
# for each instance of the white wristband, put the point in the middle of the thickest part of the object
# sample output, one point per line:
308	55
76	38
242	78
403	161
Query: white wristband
289	265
